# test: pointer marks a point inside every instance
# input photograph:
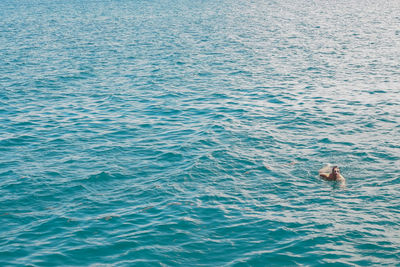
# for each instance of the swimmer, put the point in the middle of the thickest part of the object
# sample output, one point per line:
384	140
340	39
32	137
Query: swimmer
333	176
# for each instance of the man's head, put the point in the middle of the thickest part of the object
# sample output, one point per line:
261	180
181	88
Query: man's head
335	171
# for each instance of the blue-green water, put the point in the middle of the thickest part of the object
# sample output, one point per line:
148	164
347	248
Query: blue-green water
190	133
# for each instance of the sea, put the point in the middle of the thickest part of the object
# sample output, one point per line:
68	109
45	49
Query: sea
191	132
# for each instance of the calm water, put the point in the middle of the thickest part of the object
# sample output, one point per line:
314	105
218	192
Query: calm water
177	132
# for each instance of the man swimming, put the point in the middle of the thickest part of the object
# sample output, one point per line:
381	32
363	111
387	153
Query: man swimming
333	176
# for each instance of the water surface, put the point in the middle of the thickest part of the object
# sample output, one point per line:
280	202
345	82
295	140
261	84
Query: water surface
178	132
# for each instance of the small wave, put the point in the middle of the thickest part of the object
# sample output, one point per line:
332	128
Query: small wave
106	176
19	140
170	157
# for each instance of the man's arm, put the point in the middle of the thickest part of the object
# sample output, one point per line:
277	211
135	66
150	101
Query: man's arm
324	175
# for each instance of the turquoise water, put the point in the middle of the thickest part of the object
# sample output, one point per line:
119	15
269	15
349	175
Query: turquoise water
190	133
